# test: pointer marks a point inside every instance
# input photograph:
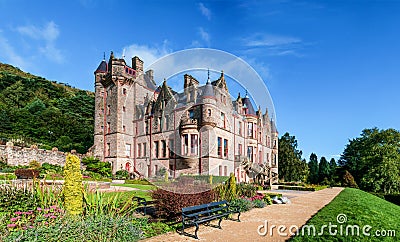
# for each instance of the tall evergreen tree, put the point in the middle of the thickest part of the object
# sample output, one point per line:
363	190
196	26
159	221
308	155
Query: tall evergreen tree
313	166
324	170
291	166
332	168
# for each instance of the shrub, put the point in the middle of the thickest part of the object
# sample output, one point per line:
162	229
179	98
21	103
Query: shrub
34	164
122	174
151	229
13	199
99	204
72	188
258	203
267	199
97	166
243	204
169	204
47	168
8	176
88	228
26	173
246	190
228	190
348	180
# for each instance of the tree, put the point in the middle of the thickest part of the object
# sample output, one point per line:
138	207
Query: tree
313	166
323	169
374	160
348	180
72	188
291	166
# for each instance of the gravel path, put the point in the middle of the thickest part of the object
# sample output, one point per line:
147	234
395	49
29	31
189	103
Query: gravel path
303	206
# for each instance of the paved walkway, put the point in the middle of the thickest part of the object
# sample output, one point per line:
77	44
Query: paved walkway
303	206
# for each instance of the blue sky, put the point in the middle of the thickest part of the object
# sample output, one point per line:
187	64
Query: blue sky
332	67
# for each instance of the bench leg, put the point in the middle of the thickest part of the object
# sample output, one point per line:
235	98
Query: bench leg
195	232
219	223
239	216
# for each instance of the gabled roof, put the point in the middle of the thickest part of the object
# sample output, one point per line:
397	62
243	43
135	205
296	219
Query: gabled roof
102	68
250	109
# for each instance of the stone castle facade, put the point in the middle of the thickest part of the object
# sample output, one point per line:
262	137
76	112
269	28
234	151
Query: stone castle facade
146	129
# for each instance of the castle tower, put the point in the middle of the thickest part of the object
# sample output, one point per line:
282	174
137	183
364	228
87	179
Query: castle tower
99	108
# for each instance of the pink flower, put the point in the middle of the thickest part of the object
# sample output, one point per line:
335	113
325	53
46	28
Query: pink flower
39	209
53	207
11	225
14	219
30	226
18	213
52	216
28	213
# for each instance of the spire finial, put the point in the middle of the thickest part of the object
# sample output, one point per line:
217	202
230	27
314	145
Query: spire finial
208	78
104	55
246	94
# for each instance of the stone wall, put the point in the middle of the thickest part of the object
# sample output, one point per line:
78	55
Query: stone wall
15	155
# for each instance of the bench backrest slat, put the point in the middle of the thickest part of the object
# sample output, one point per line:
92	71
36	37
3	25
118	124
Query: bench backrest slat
195	208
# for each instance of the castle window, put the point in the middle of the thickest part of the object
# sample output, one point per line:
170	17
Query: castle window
156	149
124	128
193	144
128	150
250	130
171	148
159	124
185	144
139	149
124	109
191	113
108	127
209	112
240	149
240	128
223	120
220	170
225	170
146	127
260	157
225	148
219	147
166	123
124	91
108	109
250	153
163	148
108	149
144	149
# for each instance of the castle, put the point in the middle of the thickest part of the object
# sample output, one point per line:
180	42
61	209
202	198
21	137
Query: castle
146	129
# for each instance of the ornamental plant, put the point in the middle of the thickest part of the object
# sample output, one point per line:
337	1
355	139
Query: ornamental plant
72	188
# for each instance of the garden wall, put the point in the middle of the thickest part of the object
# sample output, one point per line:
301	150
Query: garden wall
15	155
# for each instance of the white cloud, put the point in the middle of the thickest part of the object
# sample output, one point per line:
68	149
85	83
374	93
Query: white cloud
278	45
269	40
9	55
205	36
49	34
149	54
205	11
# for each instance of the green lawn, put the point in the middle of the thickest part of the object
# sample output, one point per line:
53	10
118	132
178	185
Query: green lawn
138	186
361	209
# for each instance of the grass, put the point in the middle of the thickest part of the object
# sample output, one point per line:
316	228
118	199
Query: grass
360	208
137	186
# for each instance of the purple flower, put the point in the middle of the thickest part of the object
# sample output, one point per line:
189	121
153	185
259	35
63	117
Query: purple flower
28	213
52	216
11	225
18	213
53	207
39	209
14	219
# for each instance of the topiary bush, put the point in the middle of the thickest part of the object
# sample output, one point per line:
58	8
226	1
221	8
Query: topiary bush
169	204
26	173
72	188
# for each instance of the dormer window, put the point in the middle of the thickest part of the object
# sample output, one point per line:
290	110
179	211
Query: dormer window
191	113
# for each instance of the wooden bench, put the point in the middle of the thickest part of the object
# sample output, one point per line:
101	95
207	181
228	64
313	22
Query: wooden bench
205	213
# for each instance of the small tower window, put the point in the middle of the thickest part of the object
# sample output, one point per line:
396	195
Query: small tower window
124	109
124	91
191	113
209	112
